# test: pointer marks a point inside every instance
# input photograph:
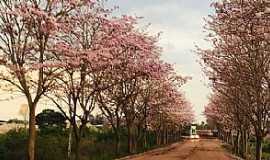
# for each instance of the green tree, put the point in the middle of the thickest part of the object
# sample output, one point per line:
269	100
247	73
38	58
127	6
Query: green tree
50	119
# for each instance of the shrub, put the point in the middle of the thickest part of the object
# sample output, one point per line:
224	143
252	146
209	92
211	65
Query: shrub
266	146
13	145
49	118
52	147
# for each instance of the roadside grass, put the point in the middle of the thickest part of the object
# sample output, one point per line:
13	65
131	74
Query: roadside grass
251	150
97	144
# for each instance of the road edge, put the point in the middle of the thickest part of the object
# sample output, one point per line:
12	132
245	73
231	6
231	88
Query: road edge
161	148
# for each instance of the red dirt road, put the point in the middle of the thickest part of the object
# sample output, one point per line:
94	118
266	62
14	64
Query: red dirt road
201	149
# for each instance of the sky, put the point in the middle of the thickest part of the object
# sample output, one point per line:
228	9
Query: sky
181	23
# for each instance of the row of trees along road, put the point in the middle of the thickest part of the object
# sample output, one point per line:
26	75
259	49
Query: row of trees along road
79	56
238	66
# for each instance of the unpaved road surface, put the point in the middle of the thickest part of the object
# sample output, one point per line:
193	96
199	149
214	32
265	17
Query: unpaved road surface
200	149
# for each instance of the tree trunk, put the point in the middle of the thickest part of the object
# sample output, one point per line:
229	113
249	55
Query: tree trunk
241	144
228	134
135	143
180	134
130	140
229	137
237	143
77	149
32	132
259	140
117	143
232	140
69	142
145	140
164	136
158	137
244	143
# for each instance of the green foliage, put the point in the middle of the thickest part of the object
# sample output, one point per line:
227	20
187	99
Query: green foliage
97	144
52	147
59	131
266	156
13	145
266	146
266	150
49	119
52	143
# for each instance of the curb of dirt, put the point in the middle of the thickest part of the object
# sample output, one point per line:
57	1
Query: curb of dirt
235	157
153	151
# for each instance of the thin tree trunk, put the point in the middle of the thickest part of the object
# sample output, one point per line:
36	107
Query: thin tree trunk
77	149
77	135
164	136
32	132
135	142
241	144
238	143
130	139
158	141
246	143
132	142
69	142
229	137
232	140
145	139
180	134
145	134
117	143
259	140
160	138
228	134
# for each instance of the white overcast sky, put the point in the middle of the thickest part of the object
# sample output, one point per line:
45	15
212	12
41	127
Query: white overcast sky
181	23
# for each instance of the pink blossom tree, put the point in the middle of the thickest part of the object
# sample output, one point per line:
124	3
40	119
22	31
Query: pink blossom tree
238	62
27	28
89	48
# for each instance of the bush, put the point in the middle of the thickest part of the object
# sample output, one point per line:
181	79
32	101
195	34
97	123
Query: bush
52	147
52	144
52	131
49	118
13	145
266	146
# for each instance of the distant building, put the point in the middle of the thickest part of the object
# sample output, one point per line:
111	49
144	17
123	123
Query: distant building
193	130
190	131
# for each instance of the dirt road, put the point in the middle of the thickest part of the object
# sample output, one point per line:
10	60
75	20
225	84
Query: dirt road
201	149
